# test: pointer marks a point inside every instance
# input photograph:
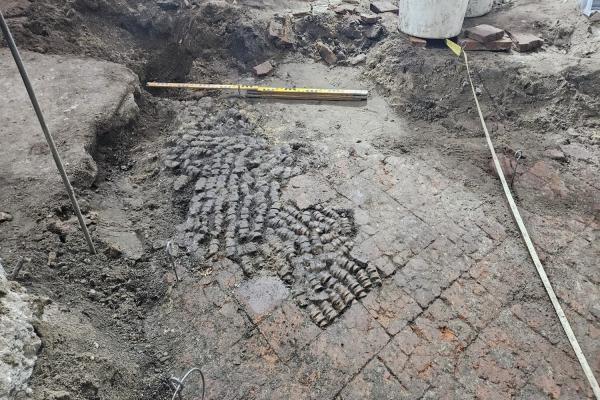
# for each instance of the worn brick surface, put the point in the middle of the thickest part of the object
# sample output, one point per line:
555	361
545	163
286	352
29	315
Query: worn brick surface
491	365
391	306
288	330
426	275
374	382
423	355
324	367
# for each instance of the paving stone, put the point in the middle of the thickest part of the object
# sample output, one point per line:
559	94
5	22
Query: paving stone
288	330
213	321
374	382
484	33
391	306
435	268
494	229
507	354
330	362
238	371
366	250
543	179
525	41
579	255
383	7
385	266
504	283
574	289
423	360
284	386
397	234
263	69
551	233
471	302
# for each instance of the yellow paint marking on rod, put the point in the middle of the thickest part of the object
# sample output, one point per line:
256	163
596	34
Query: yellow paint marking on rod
589	374
273	92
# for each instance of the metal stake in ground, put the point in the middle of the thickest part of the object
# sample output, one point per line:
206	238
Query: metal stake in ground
49	139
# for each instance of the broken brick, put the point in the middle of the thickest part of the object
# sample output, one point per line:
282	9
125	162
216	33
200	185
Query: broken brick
263	69
469	44
417	41
383	7
484	33
369	19
282	32
326	53
345	9
526	41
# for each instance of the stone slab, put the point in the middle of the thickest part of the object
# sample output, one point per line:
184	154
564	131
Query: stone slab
79	98
526	41
380	7
484	33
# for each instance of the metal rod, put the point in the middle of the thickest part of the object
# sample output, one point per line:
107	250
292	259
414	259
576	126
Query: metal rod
49	139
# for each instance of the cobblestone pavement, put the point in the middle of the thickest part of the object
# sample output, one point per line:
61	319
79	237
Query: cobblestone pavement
458	310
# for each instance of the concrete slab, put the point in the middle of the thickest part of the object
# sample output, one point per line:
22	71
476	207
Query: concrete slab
79	98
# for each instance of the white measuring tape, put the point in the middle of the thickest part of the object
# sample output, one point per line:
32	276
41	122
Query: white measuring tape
536	260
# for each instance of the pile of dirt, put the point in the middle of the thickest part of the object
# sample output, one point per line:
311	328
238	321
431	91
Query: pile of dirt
431	85
347	35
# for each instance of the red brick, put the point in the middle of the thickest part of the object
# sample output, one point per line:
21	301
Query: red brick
326	53
469	44
526	41
484	33
263	69
383	7
417	42
369	19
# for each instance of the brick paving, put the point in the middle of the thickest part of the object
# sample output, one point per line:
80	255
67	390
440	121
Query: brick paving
460	313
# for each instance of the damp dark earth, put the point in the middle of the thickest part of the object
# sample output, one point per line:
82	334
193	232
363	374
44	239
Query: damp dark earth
295	249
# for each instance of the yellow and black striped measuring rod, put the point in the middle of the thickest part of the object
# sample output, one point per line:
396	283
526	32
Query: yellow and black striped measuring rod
272	92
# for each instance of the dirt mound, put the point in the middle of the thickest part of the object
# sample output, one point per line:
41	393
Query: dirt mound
431	85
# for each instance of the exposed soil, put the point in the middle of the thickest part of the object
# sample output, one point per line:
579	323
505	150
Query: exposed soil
319	250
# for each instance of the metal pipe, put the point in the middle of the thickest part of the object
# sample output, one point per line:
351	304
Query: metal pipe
49	139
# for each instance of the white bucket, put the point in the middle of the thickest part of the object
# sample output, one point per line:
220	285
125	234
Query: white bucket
477	8
431	19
